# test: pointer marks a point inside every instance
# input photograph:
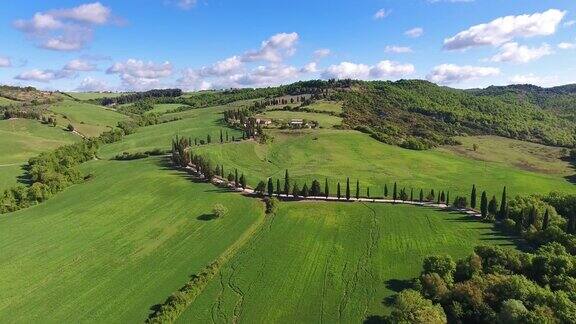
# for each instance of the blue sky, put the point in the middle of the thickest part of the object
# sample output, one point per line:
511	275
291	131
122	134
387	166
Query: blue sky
203	44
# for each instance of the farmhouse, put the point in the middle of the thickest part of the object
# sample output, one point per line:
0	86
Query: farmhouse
263	121
297	122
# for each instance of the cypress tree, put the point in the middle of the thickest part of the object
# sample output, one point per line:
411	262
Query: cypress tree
473	197
243	181
347	188
226	136
221	137
448	198
368	192
357	189
270	187
546	220
222	171
411	194
533	216
443	197
338	194
236	177
295	191
385	190
278	192
208	139
484	205
305	191
421	195
286	183
520	223
196	141
326	189
503	205
493	206
395	192
438	201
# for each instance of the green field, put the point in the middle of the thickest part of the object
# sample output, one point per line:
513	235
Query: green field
325	121
336	154
89	120
6	101
163	108
95	95
324	105
195	123
332	262
21	139
109	249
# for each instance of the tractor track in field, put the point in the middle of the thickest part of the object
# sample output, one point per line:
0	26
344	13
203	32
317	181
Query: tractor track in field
374	238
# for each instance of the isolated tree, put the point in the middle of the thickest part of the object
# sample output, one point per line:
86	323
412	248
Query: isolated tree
503	205
357	189
385	190
347	188
338	193
286	183
484	205
326	189
546	220
219	211
473	197
270	187
395	192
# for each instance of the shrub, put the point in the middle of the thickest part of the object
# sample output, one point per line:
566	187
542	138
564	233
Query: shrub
271	205
219	211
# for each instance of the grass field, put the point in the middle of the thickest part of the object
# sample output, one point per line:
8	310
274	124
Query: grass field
335	155
109	249
6	101
21	139
324	105
94	95
163	108
332	262
195	123
325	121
90	120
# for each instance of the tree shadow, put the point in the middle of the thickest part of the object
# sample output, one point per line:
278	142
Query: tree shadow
397	285
570	178
25	178
206	217
375	319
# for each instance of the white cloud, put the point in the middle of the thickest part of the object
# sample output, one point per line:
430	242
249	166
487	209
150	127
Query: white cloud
65	29
228	66
191	81
414	32
140	75
570	23
566	46
382	70
533	79
381	14
266	76
311	67
5	62
322	53
90	84
451	73
80	65
513	52
397	49
44	75
274	49
505	29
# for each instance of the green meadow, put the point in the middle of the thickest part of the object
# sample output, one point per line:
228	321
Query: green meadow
109	249
332	262
6	101
88	119
337	154
21	139
95	95
324	120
